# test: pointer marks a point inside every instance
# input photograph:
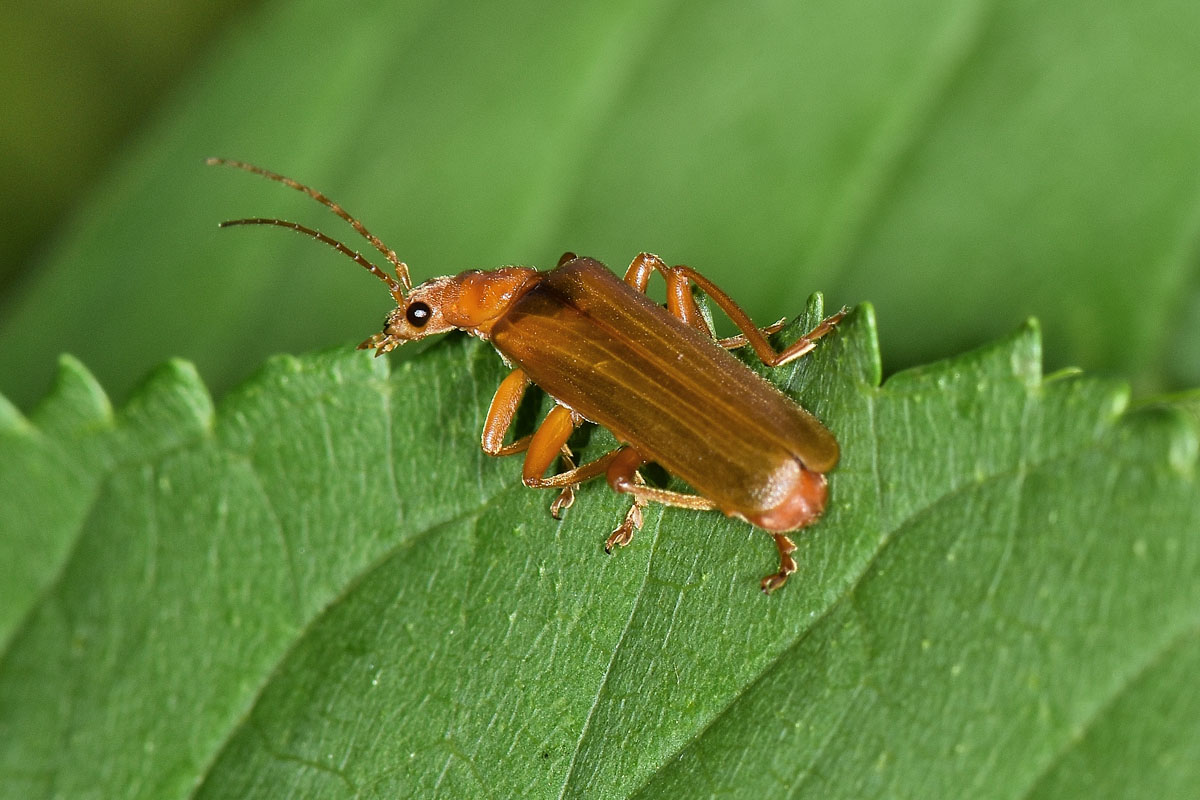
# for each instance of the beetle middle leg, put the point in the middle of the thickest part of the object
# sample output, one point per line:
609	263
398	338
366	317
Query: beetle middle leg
619	466
623	476
755	338
680	302
682	305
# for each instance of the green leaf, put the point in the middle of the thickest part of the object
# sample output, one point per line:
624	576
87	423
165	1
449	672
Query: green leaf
960	164
55	463
323	589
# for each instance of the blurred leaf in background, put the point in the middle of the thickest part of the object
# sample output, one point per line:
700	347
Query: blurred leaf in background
75	80
960	164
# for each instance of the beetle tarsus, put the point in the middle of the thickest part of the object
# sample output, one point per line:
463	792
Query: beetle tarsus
787	564
739	341
808	342
565	499
623	534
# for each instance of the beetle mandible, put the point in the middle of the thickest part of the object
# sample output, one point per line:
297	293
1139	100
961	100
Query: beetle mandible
605	353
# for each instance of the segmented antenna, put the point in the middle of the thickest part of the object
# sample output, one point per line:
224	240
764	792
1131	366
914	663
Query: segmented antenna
395	288
400	267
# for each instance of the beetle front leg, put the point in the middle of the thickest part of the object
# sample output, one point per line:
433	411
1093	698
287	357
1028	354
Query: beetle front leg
500	415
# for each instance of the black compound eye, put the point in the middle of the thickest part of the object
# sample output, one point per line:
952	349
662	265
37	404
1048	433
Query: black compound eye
417	314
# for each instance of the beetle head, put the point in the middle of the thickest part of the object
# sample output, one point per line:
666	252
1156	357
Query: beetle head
421	313
472	300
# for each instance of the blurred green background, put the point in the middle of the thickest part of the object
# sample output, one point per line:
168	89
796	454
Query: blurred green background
962	165
76	79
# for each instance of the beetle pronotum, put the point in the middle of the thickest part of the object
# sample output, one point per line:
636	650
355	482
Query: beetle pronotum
654	376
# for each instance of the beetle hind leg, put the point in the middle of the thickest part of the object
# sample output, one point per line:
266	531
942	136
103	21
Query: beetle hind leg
622	535
787	564
682	305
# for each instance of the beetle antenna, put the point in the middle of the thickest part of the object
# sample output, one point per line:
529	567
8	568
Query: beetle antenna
395	288
388	253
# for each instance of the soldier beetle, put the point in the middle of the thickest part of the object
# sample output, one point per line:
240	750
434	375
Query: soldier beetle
655	377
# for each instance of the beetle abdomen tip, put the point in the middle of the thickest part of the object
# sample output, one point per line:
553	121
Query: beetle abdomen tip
802	506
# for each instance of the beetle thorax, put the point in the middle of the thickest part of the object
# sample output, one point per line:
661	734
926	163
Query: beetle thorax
476	299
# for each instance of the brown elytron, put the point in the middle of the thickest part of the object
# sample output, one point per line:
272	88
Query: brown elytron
655	377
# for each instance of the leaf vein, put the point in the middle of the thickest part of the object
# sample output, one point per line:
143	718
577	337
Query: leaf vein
587	723
1131	680
886	540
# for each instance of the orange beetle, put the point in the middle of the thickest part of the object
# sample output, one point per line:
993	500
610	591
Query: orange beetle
654	376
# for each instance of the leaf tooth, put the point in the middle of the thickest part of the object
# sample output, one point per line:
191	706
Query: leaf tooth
76	401
11	418
171	406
